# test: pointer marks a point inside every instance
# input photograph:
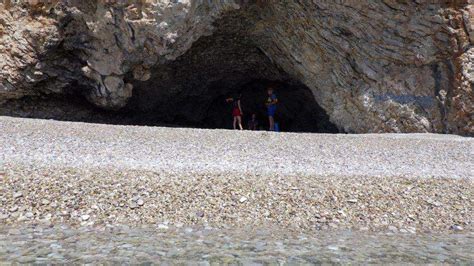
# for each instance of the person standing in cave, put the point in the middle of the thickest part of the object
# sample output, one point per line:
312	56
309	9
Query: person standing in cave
271	104
236	111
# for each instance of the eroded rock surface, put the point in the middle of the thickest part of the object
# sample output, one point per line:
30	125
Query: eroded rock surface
373	66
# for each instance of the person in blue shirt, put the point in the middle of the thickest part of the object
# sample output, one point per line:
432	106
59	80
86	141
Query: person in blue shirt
271	104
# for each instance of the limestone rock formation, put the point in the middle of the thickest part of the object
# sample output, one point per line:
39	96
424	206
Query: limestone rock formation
373	66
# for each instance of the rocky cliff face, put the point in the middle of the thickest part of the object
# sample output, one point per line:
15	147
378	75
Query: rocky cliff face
373	66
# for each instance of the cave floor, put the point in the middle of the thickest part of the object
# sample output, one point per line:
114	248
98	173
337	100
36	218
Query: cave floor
87	174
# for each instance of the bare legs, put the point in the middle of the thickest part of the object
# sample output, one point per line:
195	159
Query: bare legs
238	119
271	121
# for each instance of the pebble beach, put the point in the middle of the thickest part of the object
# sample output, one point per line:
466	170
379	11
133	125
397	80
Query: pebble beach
90	193
91	175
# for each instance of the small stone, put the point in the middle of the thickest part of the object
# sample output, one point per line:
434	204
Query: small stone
44	202
55	246
163	226
133	205
85	217
14	208
140	202
243	199
17	195
29	215
392	228
332	225
55	256
352	200
200	214
456	228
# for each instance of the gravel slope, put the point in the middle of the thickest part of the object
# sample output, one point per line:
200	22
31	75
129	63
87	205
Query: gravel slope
88	174
80	145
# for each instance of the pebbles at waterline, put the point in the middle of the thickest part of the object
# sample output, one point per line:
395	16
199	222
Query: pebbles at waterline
62	244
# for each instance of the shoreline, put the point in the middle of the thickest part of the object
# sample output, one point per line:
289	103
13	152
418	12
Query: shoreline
207	246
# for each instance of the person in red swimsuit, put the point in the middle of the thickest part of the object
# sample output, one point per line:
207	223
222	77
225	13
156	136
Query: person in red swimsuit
236	111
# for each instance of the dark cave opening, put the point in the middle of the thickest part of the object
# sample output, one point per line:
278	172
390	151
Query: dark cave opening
190	91
297	110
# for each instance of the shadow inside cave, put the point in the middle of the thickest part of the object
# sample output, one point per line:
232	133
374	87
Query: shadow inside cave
297	110
190	91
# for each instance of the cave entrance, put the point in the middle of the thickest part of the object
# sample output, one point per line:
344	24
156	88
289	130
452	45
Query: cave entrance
190	90
297	109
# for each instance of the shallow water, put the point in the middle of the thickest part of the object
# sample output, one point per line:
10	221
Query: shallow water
62	244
